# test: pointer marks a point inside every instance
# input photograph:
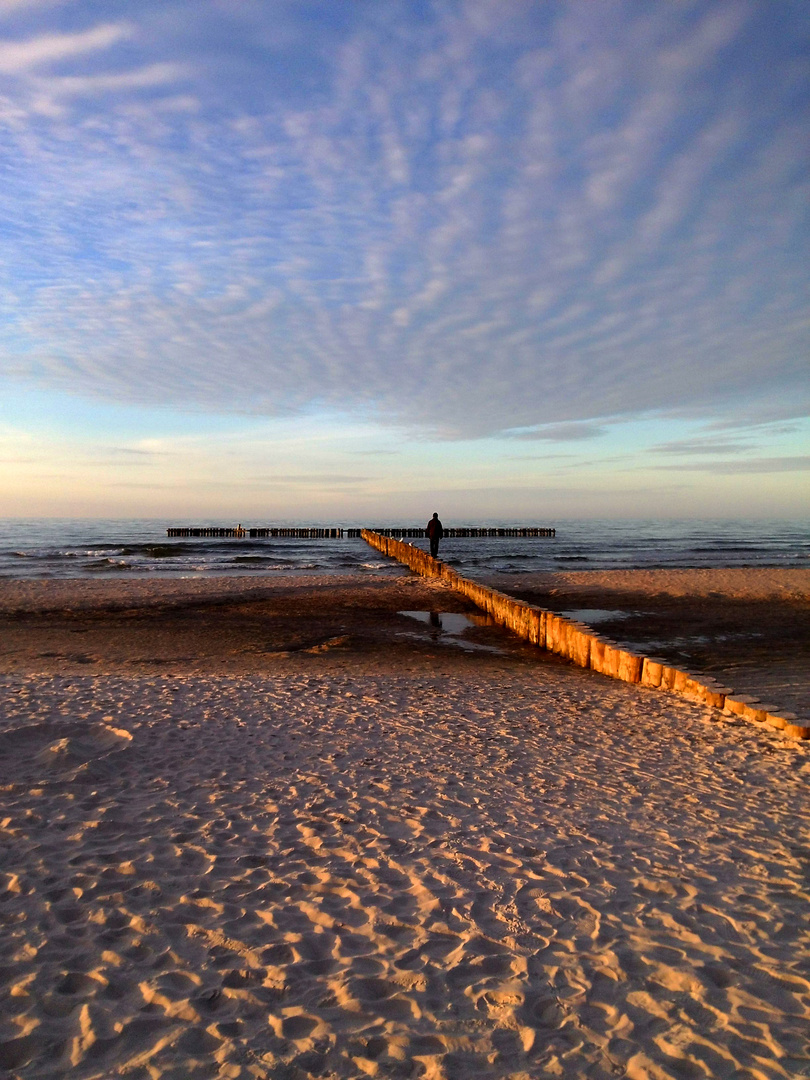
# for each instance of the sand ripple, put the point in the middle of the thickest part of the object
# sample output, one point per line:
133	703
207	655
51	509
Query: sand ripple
524	873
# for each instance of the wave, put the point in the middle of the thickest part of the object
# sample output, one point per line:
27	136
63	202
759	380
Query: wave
109	564
154	551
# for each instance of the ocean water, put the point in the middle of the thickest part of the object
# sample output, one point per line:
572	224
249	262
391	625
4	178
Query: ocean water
80	548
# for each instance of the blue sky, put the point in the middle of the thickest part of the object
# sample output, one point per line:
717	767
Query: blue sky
300	259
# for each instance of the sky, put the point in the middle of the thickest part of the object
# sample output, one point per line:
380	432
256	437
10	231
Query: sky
341	261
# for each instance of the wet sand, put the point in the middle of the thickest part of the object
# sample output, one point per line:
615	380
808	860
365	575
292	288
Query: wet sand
214	625
276	829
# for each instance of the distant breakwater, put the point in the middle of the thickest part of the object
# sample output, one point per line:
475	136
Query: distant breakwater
302	532
461	531
584	647
311	532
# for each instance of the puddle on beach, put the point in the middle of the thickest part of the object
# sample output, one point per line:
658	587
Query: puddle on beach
452	625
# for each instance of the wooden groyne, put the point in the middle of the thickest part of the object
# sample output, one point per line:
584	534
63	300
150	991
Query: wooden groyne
579	643
302	533
204	531
297	532
460	531
307	532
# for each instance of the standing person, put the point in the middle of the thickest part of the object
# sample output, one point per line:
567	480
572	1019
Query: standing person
435	532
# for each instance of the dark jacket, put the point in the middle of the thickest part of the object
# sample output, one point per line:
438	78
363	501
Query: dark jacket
434	529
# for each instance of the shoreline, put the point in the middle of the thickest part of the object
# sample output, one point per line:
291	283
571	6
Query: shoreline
744	583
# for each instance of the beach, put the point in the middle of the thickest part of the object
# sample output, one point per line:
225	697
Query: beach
273	827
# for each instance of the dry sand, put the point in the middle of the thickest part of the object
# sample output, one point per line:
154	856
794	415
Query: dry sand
372	853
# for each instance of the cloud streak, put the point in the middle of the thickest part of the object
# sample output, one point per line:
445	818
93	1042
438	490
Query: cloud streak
572	432
701	446
488	218
17	57
752	466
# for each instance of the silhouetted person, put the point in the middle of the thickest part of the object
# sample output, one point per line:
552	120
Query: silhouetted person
434	532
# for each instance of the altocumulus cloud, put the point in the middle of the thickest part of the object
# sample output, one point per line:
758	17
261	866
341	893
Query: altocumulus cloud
474	217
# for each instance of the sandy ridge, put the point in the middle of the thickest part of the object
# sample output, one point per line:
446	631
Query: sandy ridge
742	583
77	594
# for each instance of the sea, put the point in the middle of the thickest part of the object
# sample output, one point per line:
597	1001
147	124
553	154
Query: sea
97	548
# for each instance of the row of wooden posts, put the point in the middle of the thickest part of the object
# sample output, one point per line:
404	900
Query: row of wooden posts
582	645
462	531
301	533
306	532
